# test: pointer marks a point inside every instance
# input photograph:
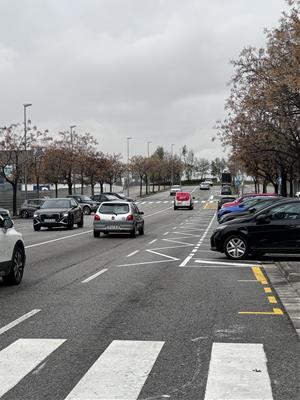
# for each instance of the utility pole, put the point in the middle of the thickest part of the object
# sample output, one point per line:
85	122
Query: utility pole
72	147
128	138
172	166
25	146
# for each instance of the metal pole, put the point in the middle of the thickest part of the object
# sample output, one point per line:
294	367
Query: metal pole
71	131
25	146
172	172
128	138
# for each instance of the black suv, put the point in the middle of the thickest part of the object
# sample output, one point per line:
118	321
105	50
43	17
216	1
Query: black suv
58	212
86	203
275	229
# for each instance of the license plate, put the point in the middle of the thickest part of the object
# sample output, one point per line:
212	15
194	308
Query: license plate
50	220
113	227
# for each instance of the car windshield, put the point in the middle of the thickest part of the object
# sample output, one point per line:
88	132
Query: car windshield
111	197
57	204
114	208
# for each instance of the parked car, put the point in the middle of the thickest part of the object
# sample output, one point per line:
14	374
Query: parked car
86	203
209	181
204	186
226	190
99	198
29	207
183	200
58	212
275	229
4	213
224	199
174	189
120	196
256	205
248	195
119	217
12	253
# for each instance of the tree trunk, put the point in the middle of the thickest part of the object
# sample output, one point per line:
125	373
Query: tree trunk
82	184
141	186
38	187
15	187
275	187
110	186
101	186
146	182
56	189
283	186
265	184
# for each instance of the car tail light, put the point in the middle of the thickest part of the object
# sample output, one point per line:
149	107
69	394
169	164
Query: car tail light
97	217
130	217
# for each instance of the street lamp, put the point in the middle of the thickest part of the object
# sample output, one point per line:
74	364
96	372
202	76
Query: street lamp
25	146
71	133
172	172
148	148
128	138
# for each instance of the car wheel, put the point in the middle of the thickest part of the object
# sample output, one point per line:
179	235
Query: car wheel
175	208
17	268
133	232
96	234
80	223
70	224
191	208
24	214
236	247
142	230
36	228
86	210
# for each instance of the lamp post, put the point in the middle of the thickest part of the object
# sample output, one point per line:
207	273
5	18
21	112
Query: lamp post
25	146
128	138
148	148
71	134
172	172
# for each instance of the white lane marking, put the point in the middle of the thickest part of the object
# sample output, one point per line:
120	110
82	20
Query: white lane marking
171	247
18	321
176	241
57	239
223	263
166	201
143	202
238	371
185	261
152	241
134	252
166	233
196	201
158	212
150	202
21	357
119	373
145	263
158	202
162	255
94	276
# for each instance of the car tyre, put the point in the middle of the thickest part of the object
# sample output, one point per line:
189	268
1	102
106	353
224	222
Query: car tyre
86	210
175	208
17	268
236	247
133	232
36	228
24	214
142	230
96	234
80	223
70	224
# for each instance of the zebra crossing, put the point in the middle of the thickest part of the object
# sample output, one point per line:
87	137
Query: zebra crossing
162	202
237	371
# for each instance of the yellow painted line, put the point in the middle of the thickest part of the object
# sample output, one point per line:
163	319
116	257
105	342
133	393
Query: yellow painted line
277	311
272	300
259	275
267	290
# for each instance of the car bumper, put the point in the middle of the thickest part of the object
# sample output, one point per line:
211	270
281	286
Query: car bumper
45	224
121	228
215	243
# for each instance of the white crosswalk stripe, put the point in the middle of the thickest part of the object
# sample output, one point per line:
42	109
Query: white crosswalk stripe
119	373
21	357
238	371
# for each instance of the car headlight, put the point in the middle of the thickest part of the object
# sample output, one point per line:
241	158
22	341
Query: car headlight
219	228
35	215
65	214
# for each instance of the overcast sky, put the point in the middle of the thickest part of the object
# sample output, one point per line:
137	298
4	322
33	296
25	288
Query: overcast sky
156	70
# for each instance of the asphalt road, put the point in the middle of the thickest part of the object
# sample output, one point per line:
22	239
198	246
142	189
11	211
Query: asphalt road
159	316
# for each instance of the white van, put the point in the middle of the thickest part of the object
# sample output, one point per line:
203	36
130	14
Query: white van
183	200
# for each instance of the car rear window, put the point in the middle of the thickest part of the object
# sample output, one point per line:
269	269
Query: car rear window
182	196
114	208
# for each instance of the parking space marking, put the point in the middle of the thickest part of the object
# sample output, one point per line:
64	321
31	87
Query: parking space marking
18	321
276	311
162	255
94	276
152	241
145	263
259	275
166	233
267	290
272	299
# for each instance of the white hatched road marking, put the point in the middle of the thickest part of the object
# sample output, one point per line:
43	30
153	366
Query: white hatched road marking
163	255
21	357
238	371
18	321
94	276
119	373
133	253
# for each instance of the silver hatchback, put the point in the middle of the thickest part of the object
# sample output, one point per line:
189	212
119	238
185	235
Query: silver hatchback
118	217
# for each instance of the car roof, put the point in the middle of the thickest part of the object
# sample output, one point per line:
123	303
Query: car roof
116	202
59	198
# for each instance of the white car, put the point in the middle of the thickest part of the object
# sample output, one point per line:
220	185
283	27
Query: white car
174	189
297	194
12	253
204	186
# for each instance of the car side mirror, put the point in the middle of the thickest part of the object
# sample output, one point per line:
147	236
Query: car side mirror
141	212
7	223
261	218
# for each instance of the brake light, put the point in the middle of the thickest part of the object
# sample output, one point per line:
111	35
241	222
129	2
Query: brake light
130	217
97	217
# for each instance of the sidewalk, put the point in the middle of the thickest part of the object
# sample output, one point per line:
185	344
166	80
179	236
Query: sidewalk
285	278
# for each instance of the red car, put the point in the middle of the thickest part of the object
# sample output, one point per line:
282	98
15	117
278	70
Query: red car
246	195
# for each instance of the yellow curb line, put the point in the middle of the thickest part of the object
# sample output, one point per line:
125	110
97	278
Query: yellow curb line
276	311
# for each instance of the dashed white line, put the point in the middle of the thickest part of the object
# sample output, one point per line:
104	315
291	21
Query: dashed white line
184	262
94	276
18	321
152	241
134	252
166	233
